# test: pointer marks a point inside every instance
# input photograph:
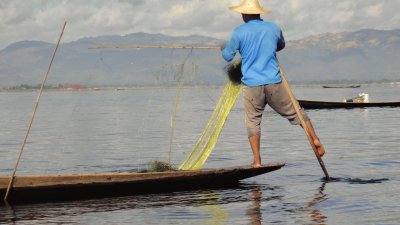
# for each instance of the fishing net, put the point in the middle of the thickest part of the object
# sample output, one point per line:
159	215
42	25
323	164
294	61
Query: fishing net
125	110
206	143
213	128
210	134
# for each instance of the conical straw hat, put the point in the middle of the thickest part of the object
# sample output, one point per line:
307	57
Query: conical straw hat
249	7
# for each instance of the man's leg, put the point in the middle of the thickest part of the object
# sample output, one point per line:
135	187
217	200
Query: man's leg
255	147
254	104
280	101
317	142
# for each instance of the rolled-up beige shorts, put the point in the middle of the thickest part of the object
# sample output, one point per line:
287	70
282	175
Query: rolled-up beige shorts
275	95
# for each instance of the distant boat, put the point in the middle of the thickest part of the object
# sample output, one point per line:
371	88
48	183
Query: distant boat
363	97
341	86
307	104
49	188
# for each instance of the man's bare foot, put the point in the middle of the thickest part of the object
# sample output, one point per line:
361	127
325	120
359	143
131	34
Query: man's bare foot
256	165
320	147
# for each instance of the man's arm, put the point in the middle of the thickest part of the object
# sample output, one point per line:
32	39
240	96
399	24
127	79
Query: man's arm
230	49
281	42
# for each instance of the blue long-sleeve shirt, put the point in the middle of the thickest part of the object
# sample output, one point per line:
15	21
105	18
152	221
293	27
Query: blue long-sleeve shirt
257	42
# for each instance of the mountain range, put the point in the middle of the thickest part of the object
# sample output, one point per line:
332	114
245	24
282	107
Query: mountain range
348	57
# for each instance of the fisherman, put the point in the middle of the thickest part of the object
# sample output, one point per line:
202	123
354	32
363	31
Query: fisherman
257	42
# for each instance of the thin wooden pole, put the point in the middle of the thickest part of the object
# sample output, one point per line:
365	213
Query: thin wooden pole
303	123
33	115
157	46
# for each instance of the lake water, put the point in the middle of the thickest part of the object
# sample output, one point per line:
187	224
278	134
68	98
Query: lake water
111	131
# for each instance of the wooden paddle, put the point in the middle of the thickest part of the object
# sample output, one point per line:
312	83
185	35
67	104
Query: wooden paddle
303	123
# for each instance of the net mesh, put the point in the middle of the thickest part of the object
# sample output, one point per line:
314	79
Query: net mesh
206	143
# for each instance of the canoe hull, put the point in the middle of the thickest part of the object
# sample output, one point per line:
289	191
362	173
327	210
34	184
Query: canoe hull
306	104
32	189
341	86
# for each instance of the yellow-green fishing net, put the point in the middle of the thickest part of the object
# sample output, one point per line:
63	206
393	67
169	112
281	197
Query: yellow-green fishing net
206	143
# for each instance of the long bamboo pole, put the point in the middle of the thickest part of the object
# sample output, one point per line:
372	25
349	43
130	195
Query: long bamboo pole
303	123
33	115
156	47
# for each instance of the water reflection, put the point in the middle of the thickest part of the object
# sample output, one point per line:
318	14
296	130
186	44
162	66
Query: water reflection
254	211
9	215
358	180
311	207
209	206
218	214
316	215
249	203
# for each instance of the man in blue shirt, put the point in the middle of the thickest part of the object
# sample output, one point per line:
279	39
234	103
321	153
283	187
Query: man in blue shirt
257	42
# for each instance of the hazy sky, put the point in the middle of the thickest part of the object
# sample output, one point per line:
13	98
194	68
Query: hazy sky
43	19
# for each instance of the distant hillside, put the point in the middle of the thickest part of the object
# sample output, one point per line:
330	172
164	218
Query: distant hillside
362	56
365	55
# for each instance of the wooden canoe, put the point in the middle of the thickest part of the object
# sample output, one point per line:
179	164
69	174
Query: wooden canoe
31	189
341	86
307	104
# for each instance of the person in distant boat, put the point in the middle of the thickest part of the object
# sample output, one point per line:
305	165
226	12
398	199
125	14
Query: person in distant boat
257	42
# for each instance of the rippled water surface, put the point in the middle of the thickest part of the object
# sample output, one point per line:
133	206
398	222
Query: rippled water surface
112	131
